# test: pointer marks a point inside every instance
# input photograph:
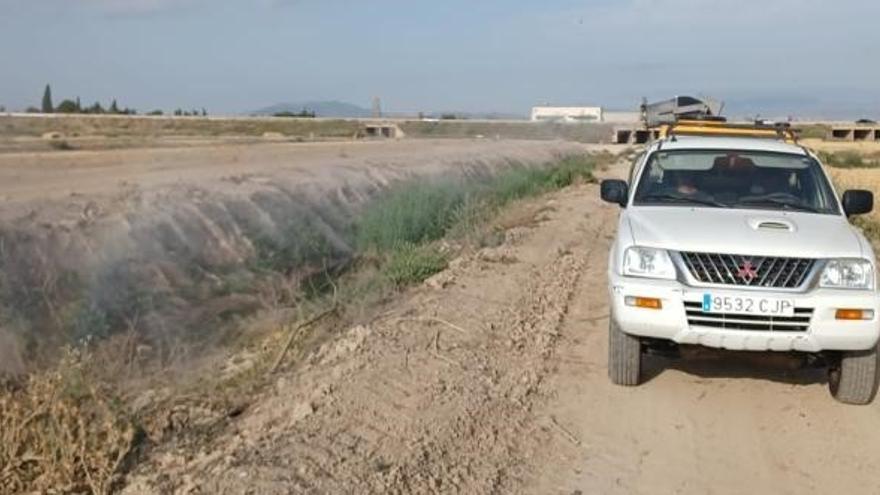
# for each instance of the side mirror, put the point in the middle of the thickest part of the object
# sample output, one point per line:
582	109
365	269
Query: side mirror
857	201
615	191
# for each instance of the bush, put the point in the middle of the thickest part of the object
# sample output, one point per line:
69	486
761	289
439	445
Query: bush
410	264
61	434
413	213
525	182
425	211
67	106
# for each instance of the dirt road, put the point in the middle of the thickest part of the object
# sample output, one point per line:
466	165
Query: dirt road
60	175
491	378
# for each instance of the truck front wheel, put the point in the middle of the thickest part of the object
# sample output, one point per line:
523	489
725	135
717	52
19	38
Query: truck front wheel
624	356
855	378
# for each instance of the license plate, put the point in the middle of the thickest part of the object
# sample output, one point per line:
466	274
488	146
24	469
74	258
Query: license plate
747	305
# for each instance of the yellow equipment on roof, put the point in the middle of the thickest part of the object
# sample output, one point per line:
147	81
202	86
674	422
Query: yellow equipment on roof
720	128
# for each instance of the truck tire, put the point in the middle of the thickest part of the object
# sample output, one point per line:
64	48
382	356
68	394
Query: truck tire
855	379
624	356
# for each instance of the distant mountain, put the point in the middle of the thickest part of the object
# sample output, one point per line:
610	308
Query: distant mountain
332	109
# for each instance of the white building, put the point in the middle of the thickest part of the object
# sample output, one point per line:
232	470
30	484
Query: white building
583	115
567	114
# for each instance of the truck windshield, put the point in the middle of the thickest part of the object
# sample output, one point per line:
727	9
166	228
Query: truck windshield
736	179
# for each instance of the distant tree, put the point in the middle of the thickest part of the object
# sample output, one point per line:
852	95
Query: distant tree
67	106
204	113
302	114
78	105
113	107
449	116
155	112
32	110
2	109
47	100
96	108
178	112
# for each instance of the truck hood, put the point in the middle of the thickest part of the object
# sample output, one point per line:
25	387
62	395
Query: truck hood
748	232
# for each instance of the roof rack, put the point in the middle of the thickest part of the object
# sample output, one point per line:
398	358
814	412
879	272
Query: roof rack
780	131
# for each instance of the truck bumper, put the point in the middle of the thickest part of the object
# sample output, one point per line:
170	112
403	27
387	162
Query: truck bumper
824	332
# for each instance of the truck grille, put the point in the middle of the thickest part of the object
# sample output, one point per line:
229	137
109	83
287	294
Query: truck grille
800	322
748	271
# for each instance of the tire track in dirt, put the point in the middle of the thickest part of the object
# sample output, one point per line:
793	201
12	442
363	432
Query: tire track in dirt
436	396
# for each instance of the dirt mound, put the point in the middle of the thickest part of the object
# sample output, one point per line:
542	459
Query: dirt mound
160	251
436	396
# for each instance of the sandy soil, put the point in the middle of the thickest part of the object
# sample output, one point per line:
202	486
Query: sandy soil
491	378
60	175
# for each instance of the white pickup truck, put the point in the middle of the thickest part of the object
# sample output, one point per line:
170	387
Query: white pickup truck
741	243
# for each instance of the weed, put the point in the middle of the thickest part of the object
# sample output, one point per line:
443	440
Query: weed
66	430
410	264
413	213
60	434
426	211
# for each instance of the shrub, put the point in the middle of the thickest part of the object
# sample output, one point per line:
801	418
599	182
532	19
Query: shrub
415	213
60	434
410	264
525	182
67	106
424	211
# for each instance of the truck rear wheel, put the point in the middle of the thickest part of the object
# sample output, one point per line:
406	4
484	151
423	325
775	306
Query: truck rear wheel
854	380
624	356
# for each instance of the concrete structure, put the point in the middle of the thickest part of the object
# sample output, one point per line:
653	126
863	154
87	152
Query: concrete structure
634	135
611	117
383	130
567	114
854	133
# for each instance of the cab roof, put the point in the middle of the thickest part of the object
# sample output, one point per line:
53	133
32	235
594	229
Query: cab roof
727	143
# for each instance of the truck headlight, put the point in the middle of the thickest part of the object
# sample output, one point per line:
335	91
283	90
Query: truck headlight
848	274
648	262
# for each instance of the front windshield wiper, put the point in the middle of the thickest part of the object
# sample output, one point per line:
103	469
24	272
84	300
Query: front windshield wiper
682	199
792	205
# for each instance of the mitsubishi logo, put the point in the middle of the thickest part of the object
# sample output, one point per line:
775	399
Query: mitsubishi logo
747	272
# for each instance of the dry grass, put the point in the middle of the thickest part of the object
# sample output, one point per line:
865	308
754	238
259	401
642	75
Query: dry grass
858	178
59	433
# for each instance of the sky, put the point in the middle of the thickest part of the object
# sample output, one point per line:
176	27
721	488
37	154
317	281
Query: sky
806	58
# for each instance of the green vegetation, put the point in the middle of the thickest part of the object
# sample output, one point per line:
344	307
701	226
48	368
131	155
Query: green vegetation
75	107
76	427
401	225
68	106
302	114
411	213
47	100
410	264
190	113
